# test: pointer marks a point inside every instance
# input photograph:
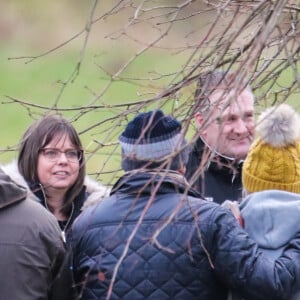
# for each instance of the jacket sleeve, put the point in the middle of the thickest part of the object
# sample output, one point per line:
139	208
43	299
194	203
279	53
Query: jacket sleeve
61	285
238	262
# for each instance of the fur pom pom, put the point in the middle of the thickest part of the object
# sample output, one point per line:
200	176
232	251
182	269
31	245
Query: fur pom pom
279	126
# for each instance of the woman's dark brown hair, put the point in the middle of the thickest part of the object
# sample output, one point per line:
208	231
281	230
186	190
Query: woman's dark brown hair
36	137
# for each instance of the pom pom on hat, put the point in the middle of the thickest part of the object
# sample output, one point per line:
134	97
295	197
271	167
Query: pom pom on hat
279	126
151	136
273	161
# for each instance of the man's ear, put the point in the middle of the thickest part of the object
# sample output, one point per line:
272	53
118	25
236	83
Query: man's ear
199	122
198	119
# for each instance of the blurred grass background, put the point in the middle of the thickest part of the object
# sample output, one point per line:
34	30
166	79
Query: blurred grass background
39	83
33	27
29	30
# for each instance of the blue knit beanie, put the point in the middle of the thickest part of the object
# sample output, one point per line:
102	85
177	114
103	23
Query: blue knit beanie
151	136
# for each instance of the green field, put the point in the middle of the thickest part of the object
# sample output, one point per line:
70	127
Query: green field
40	83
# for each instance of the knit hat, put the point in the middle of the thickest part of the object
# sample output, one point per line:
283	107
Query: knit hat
150	136
273	161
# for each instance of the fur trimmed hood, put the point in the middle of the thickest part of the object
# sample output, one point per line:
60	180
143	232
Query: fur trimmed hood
96	191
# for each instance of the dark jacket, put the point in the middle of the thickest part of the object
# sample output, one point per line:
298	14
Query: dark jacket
221	179
78	202
91	193
31	247
153	239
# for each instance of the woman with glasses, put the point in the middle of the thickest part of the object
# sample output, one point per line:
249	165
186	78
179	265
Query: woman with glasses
51	162
51	165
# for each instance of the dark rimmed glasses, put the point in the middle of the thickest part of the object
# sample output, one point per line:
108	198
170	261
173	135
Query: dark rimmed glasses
53	154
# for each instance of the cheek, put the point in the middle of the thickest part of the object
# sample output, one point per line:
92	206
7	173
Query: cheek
251	128
75	171
225	130
42	168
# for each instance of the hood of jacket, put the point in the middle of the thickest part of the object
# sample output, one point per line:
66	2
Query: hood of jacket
10	191
94	191
271	217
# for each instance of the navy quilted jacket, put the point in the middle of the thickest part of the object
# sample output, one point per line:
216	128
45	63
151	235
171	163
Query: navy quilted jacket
150	240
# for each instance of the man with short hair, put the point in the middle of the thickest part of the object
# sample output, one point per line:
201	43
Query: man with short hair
154	238
225	124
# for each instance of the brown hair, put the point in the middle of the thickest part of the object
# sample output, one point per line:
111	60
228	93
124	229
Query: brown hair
36	137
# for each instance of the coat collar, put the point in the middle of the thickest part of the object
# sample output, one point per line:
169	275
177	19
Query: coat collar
216	161
149	181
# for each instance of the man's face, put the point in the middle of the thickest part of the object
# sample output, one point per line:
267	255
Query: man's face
230	127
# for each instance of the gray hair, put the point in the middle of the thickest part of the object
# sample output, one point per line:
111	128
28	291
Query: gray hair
211	81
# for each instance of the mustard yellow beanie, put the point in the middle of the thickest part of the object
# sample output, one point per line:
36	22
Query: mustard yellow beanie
273	161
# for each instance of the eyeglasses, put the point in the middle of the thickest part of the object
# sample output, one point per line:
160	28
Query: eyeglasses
53	154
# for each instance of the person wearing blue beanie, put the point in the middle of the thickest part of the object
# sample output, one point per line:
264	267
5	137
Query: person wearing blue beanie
149	139
154	237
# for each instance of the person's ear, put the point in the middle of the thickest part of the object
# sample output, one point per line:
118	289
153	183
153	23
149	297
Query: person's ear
199	120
